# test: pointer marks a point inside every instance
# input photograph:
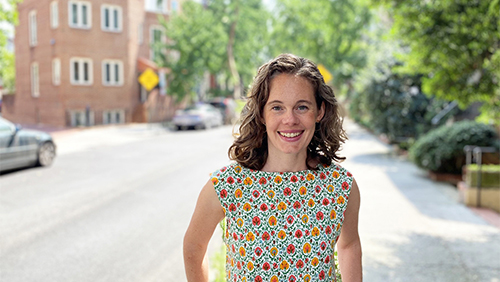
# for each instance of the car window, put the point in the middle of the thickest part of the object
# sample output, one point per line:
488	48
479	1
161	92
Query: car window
6	126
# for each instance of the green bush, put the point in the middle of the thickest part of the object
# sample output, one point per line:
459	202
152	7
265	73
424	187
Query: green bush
442	149
393	104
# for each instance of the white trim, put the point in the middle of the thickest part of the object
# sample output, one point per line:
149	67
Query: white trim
153	7
113	116
33	39
35	80
114	79
54	14
80	64
111	17
163	38
79	5
56	71
140	34
79	118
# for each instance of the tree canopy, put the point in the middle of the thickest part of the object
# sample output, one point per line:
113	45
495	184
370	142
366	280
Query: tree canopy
232	38
224	38
328	32
455	45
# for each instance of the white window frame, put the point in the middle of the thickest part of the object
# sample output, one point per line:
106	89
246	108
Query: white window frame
111	9
140	34
163	38
54	14
153	7
79	118
56	71
81	62
114	114
35	80
112	73
33	38
79	11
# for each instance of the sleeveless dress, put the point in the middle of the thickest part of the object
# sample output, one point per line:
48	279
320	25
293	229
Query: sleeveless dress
282	226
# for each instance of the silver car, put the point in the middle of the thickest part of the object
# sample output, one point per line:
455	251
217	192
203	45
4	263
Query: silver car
198	116
23	148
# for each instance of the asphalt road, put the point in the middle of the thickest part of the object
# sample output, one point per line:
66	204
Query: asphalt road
113	207
115	204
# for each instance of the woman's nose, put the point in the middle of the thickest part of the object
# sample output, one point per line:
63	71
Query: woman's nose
290	118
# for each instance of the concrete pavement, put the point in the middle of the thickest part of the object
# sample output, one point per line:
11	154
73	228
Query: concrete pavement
411	228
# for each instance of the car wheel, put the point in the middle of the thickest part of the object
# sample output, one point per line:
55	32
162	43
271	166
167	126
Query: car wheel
46	154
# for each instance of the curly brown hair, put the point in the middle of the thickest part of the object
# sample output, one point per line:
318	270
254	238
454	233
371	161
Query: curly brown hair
250	147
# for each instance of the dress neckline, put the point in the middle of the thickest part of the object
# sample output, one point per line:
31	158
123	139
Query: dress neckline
320	167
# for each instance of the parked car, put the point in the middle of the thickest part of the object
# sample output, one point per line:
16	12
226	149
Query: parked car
24	148
198	116
227	106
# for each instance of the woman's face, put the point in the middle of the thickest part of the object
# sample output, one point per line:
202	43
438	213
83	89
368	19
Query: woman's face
290	115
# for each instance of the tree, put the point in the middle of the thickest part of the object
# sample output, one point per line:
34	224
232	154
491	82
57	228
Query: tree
225	38
195	45
455	43
328	32
8	13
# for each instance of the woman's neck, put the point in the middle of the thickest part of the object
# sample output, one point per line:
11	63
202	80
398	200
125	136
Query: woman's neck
285	163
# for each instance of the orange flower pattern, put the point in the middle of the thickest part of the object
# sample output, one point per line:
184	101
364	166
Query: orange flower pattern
281	226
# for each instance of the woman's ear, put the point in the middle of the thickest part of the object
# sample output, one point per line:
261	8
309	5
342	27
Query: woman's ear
321	112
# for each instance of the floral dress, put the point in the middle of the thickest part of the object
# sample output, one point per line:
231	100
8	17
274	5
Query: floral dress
282	226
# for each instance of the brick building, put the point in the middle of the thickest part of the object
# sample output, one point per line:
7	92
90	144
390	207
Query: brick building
77	62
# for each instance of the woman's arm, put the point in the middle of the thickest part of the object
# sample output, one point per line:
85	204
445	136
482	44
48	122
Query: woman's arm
207	214
349	245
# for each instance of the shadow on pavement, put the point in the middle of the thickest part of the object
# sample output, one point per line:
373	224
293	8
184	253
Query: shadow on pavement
422	257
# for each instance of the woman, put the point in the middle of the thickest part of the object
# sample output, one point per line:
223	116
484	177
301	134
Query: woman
285	203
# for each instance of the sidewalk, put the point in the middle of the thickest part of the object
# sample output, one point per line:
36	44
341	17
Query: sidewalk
72	139
414	229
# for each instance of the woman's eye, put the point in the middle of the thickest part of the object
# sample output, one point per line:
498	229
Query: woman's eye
276	108
302	108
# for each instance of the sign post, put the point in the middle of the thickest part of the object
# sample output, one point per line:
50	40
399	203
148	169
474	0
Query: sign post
149	80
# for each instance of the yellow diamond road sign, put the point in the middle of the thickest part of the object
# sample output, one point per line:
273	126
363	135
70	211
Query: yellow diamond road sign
327	76
149	79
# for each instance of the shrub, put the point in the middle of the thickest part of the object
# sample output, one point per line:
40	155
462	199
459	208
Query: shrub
442	149
393	104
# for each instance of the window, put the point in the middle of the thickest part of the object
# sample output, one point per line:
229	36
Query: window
112	73
33	28
81	118
80	15
174	5
111	18
141	33
156	6
35	80
155	37
113	116
56	71
54	14
81	71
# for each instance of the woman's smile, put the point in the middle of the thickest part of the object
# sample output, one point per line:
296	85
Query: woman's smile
290	134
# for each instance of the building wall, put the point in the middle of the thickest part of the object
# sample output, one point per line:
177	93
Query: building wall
56	103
